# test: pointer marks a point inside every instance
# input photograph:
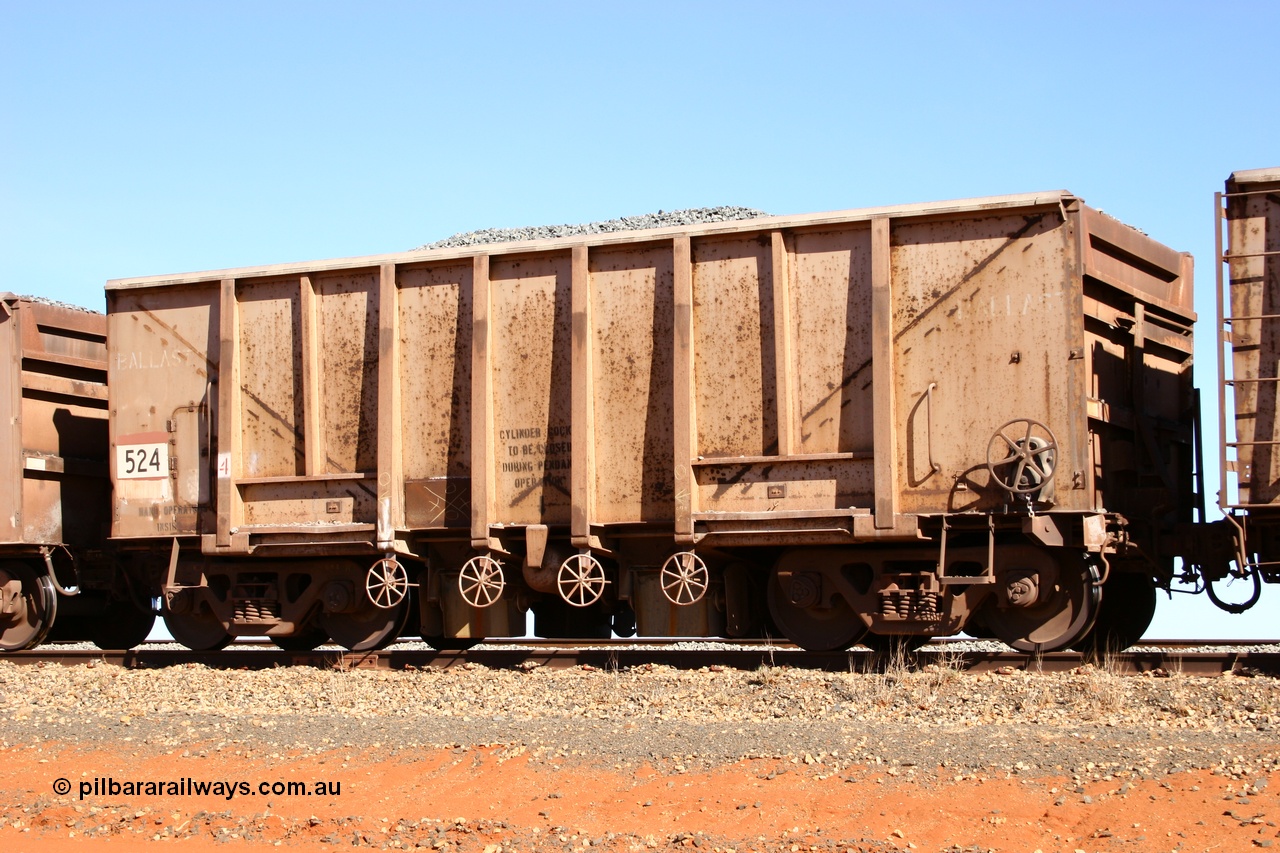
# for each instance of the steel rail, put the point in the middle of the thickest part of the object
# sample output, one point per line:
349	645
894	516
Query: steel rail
1172	658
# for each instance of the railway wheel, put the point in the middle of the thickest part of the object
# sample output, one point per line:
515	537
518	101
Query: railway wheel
368	628
310	637
1045	620
196	627
1128	605
122	626
28	605
797	610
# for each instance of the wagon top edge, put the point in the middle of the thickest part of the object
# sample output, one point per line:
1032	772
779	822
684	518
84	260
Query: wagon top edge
1255	176
728	227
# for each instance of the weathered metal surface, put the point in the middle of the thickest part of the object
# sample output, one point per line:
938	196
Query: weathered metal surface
822	380
983	301
1250	323
53	442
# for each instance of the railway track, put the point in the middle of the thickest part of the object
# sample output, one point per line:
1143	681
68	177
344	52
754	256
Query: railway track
1158	657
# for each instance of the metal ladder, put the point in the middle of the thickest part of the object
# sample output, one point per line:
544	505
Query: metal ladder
1237	512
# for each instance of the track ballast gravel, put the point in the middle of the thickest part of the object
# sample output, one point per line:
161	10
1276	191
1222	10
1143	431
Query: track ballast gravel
1088	723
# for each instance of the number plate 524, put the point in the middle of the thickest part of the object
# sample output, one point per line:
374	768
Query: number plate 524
142	461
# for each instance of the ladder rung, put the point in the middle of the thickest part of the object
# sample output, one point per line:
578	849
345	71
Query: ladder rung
1249	443
1253	317
1233	256
1258	379
1247	193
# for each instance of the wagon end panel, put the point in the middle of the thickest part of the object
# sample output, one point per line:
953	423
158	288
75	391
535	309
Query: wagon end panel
163	374
1251	308
1138	354
986	349
53	360
10	425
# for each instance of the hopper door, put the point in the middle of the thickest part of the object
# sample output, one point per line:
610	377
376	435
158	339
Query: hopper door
298	442
778	418
190	460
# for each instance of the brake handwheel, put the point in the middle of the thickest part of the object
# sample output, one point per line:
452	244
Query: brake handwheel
481	581
684	578
581	580
1034	452
386	583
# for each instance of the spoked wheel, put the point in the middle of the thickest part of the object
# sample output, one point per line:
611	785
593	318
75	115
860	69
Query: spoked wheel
198	629
1128	605
1020	456
684	578
581	580
368	628
122	626
798	612
1059	616
481	581
28	605
386	583
311	637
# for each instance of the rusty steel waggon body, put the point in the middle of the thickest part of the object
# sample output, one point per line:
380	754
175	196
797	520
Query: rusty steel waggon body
55	493
1248	213
875	425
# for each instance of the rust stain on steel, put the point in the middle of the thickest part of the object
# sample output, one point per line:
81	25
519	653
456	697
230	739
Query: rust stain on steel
710	366
191	347
1031	222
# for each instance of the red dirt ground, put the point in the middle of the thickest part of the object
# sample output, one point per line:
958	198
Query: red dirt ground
734	807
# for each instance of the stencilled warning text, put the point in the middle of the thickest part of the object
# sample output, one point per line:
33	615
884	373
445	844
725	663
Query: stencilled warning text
531	456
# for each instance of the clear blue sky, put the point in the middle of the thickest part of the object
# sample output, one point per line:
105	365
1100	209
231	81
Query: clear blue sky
144	138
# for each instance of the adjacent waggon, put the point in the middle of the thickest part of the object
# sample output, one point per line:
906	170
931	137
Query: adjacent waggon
1248	212
871	426
55	495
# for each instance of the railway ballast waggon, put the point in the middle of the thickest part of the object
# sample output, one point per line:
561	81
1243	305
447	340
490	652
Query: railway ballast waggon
871	426
1248	250
55	495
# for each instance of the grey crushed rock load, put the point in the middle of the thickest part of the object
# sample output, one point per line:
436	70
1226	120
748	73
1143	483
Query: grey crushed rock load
661	219
44	300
